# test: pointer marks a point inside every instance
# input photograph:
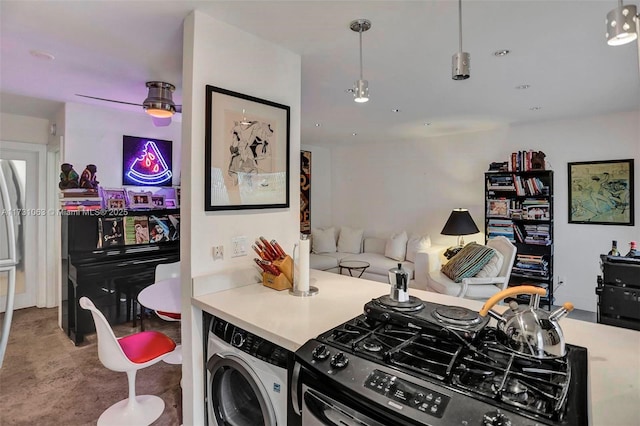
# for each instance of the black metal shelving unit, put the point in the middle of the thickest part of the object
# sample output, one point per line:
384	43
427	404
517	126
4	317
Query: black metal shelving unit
519	206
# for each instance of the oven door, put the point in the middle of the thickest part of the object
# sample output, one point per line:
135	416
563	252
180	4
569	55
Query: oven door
237	397
320	410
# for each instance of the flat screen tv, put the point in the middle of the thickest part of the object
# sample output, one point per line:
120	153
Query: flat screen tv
146	161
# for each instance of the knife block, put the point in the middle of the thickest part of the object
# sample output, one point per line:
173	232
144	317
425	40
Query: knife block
286	267
276	282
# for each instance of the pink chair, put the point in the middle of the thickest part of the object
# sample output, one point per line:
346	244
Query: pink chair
129	354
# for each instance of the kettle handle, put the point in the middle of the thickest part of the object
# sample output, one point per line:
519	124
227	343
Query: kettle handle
512	291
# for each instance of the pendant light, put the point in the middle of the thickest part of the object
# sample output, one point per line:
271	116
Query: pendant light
361	89
460	67
622	24
159	102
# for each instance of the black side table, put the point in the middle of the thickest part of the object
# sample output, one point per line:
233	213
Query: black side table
354	265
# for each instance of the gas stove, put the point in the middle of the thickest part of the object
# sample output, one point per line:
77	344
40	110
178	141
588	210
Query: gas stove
423	363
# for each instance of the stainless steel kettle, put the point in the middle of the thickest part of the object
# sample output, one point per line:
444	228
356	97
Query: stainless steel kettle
527	329
399	280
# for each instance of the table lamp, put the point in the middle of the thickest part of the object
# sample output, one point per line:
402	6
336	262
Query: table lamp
459	223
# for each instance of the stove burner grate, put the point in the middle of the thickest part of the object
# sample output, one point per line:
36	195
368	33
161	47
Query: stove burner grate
457	315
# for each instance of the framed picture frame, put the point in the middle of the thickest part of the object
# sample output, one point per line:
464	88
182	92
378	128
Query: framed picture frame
177	197
112	194
498	208
158	201
116	204
601	192
170	203
247	152
140	200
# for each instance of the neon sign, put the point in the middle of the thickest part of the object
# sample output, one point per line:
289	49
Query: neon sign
146	162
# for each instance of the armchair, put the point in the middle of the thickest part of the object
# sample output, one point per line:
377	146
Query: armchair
474	287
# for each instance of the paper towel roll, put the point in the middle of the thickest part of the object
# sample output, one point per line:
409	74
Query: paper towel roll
303	266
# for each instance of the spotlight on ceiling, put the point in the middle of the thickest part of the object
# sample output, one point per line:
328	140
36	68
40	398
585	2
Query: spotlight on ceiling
361	89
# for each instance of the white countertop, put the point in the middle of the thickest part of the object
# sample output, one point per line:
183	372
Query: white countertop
289	321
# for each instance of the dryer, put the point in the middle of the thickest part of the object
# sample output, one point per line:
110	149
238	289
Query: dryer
246	378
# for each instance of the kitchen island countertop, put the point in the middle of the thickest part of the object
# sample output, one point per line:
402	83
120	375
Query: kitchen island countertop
289	321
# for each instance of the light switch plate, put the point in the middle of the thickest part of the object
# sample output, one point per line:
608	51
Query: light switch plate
238	246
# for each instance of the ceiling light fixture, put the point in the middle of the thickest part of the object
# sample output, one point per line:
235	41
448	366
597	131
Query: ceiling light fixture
460	68
395	110
41	54
361	90
622	24
159	102
522	87
503	52
244	121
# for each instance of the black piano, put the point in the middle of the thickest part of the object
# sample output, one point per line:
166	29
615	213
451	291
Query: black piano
110	274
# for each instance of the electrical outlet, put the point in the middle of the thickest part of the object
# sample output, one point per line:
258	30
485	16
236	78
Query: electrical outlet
218	252
239	246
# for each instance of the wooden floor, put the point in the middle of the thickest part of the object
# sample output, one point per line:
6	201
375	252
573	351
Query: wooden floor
46	380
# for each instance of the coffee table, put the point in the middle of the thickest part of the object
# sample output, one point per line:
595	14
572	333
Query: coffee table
354	265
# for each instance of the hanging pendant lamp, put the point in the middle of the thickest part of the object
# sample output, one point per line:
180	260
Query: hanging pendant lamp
159	102
622	24
361	89
461	60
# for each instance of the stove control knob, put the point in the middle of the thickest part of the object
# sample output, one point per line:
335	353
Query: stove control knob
320	353
495	418
418	398
339	360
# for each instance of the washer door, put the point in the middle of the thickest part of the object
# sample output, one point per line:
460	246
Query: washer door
237	397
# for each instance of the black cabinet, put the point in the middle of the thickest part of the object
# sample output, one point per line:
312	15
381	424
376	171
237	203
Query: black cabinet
108	275
519	206
618	292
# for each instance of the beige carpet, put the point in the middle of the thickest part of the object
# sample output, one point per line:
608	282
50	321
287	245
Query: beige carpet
46	380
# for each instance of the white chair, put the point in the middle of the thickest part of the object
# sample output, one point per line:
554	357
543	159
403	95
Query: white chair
129	354
475	288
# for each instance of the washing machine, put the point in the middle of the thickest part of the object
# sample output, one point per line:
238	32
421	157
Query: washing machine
246	378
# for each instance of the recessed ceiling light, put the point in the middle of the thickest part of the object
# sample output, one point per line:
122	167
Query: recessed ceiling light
427	124
41	54
395	110
351	90
522	86
535	108
503	52
354	134
318	124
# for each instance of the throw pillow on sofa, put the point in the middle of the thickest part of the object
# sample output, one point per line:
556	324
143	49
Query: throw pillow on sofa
396	247
467	262
323	240
493	267
417	244
350	240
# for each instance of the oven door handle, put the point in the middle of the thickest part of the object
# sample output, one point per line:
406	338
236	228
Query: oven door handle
295	388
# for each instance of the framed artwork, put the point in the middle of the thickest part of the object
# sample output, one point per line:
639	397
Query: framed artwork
177	196
140	200
498	208
146	161
246	152
305	192
112	197
158	201
170	203
601	192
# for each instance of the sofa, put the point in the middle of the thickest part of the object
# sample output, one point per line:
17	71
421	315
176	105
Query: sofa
330	246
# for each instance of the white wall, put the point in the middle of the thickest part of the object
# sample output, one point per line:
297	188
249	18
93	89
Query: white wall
19	128
93	135
414	185
218	54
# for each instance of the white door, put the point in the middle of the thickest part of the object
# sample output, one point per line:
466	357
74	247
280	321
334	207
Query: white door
21	165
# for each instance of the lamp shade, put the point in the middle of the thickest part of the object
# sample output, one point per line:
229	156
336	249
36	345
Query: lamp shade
460	223
622	25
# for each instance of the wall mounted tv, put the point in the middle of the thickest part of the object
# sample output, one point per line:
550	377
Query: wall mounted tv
146	161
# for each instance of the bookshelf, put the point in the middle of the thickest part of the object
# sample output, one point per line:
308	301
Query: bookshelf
519	206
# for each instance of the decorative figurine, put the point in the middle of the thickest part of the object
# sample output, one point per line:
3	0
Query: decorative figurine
88	177
68	177
537	160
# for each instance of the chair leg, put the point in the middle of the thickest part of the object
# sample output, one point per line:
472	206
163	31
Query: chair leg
138	410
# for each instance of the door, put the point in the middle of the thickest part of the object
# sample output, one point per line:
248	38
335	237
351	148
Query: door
236	395
20	170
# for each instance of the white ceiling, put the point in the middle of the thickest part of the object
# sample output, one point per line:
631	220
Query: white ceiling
110	49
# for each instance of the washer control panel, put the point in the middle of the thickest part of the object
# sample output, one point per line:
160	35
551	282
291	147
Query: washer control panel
247	342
